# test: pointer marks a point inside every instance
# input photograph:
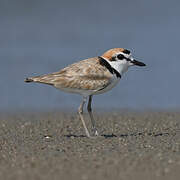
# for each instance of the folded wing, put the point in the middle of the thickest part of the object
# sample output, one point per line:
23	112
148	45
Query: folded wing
88	74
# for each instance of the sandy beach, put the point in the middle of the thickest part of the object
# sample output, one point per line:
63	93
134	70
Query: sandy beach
137	146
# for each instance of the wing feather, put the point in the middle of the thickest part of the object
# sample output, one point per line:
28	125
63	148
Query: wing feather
86	74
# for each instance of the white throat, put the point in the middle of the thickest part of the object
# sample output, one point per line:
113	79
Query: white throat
118	66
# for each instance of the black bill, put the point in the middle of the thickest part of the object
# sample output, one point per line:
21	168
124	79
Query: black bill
138	63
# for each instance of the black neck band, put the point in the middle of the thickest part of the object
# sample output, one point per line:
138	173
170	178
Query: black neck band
103	62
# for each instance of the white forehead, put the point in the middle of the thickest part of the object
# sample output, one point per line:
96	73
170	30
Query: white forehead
126	55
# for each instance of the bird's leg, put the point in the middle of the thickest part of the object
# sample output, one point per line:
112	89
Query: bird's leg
91	116
80	111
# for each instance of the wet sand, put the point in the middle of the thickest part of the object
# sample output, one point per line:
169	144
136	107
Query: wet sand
52	145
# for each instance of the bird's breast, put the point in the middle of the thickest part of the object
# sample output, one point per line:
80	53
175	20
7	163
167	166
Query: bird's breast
114	81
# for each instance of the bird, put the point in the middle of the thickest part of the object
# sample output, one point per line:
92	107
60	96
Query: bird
90	77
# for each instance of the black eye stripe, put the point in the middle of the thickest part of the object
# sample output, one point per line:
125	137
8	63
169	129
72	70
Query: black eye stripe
121	56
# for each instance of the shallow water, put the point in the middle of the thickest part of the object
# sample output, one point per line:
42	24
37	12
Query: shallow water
42	37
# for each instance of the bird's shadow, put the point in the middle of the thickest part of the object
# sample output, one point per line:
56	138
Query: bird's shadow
136	134
121	135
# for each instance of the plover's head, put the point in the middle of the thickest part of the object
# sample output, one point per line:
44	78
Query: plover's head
121	59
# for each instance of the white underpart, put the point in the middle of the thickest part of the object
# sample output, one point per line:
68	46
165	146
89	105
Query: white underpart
86	93
112	83
83	92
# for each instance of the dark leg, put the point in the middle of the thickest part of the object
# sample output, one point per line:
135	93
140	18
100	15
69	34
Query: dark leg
91	116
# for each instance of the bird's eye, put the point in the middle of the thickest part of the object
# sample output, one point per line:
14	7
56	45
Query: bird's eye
120	56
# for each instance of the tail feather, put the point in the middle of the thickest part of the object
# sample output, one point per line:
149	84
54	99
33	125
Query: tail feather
28	80
38	79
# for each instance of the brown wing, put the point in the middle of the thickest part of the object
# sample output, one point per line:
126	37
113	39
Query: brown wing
85	74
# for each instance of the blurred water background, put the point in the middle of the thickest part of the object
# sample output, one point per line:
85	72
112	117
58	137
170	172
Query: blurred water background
43	36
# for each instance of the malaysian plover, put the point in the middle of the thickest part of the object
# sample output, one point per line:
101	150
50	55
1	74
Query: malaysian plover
90	77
